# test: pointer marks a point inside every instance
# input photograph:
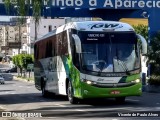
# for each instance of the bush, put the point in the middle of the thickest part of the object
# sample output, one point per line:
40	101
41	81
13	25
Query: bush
153	54
154	80
154	60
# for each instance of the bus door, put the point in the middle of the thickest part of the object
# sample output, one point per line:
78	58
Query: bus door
52	75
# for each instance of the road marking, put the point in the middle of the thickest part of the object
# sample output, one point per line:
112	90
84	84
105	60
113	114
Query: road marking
80	110
60	105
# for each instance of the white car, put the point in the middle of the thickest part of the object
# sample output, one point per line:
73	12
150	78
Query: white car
1	79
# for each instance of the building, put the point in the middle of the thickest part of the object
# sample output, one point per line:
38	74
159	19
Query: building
12	36
45	26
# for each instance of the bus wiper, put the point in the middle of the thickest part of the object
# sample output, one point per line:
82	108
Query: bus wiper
124	66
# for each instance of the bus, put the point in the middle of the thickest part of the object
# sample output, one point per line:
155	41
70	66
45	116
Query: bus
90	59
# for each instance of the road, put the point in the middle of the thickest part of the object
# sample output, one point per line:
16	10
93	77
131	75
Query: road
23	97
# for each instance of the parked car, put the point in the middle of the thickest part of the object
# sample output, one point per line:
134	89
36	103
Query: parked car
14	69
1	79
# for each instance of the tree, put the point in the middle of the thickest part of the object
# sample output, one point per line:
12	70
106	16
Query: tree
23	9
154	60
22	60
142	30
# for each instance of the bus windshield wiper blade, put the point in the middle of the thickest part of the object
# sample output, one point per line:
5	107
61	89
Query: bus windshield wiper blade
124	66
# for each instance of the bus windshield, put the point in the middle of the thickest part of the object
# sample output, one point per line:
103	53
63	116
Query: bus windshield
109	52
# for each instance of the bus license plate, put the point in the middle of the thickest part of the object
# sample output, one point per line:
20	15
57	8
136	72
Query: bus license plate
115	92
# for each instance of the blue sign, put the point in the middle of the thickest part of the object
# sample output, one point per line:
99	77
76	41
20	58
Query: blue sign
105	9
105	4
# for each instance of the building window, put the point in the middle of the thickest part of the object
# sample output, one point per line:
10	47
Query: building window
49	28
44	26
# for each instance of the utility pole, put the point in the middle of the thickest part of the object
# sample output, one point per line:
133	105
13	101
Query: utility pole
35	30
19	41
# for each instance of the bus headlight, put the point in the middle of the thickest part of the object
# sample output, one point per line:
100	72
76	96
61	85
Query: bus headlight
89	82
136	81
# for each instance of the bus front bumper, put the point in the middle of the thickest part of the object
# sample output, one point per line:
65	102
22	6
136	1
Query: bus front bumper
89	91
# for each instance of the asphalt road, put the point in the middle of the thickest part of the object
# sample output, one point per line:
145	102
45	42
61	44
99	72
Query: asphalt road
22	97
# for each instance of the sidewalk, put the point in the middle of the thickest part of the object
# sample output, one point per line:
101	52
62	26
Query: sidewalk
27	79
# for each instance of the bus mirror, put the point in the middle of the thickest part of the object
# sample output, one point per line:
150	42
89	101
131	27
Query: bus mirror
77	43
144	44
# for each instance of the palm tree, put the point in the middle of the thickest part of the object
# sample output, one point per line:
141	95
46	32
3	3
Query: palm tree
23	8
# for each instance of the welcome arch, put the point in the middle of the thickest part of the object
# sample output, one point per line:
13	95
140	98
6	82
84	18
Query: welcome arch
106	9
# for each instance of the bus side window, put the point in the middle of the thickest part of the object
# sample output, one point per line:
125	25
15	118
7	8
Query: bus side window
75	57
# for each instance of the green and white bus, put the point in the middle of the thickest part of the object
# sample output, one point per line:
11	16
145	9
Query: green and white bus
90	59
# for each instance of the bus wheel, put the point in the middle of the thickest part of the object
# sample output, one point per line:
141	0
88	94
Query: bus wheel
120	99
71	98
44	92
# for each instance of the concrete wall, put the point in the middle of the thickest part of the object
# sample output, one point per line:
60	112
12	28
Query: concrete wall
42	29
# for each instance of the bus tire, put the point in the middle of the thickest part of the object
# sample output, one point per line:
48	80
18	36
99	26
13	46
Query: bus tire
44	91
120	99
71	98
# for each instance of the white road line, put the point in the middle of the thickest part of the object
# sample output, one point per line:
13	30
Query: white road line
60	105
80	110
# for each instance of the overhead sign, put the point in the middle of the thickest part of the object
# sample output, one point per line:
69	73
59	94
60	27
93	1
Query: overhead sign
113	4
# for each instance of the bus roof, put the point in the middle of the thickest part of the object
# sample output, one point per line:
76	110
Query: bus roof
91	26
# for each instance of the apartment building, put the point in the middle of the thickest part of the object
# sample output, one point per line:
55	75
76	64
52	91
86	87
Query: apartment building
11	38
45	26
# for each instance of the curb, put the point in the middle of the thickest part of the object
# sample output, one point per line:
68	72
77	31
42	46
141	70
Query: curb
21	79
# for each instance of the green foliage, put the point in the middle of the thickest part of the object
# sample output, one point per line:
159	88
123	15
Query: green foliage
22	60
154	60
153	54
142	30
154	50
16	61
23	7
154	80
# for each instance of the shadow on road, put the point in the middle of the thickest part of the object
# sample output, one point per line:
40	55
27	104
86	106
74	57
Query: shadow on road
27	98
